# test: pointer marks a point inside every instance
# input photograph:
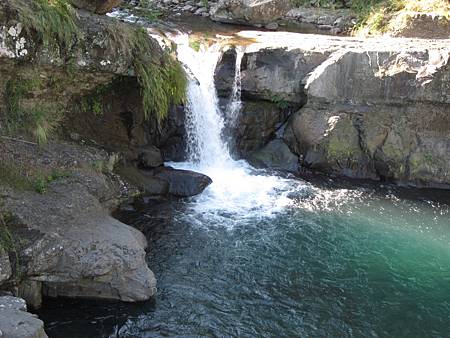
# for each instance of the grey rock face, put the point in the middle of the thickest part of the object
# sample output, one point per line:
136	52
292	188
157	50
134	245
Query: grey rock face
72	245
257	124
15	322
375	109
276	154
224	73
31	292
183	183
250	12
321	20
5	265
150	157
389	119
277	74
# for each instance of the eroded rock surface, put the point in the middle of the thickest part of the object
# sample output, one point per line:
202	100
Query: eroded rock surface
16	322
389	119
66	242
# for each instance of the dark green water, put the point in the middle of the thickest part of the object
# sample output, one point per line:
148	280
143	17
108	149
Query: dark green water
351	262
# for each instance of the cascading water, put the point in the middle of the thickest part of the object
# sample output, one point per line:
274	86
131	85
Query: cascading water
235	104
237	188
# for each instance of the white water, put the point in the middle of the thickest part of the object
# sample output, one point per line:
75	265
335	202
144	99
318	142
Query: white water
237	188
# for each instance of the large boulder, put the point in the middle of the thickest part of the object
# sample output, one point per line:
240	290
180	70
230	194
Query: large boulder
276	74
183	183
16	322
80	251
67	244
256	125
277	155
96	6
250	12
387	120
165	181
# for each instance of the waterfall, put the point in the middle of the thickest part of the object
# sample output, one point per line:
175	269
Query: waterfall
237	188
204	123
234	106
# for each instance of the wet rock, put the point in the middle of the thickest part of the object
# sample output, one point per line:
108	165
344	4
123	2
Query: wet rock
15	322
250	12
256	125
277	155
5	265
150	157
145	181
183	183
96	6
171	137
224	73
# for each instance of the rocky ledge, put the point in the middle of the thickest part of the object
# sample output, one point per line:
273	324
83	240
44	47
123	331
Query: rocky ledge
57	190
372	109
15	321
59	235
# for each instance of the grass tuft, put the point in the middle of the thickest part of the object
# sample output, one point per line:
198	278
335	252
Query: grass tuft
54	21
32	179
37	120
161	77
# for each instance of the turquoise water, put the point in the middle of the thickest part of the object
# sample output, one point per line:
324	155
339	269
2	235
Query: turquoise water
339	262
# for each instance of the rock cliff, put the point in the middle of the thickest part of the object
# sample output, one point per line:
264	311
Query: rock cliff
372	109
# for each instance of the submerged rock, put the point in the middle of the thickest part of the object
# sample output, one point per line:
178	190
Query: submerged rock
16	322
